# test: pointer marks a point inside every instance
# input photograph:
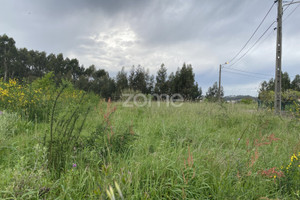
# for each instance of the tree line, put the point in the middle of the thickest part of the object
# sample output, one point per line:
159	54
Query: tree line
290	89
28	65
286	83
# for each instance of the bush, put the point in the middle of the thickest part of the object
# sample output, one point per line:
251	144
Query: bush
246	101
30	100
35	100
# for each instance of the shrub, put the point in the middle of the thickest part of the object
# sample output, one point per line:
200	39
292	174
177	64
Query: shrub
29	100
246	101
35	100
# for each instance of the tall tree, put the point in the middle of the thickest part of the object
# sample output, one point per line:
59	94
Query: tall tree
8	55
184	83
295	85
213	93
285	81
271	85
122	81
171	84
150	84
199	92
161	86
138	79
131	78
263	86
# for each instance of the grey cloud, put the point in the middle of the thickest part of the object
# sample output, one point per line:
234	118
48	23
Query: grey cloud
204	33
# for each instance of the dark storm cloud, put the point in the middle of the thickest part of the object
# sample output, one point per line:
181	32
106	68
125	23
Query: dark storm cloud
116	33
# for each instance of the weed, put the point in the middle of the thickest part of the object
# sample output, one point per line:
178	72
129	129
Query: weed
65	134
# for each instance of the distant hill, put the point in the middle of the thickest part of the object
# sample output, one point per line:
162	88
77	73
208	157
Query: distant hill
239	97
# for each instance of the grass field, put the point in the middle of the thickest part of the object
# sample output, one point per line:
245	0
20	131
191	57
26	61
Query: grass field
196	151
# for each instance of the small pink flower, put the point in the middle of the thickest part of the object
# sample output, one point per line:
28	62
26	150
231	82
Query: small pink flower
74	165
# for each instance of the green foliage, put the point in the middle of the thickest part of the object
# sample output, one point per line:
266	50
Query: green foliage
297	110
212	94
65	130
267	97
295	84
290	95
46	83
8	55
247	101
184	83
289	99
285	81
29	100
26	179
122	81
289	183
105	138
197	151
286	85
11	125
138	79
161	86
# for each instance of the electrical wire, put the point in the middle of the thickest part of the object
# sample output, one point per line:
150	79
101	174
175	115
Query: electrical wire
291	12
253	33
261	38
261	78
268	36
288	6
248	72
253	44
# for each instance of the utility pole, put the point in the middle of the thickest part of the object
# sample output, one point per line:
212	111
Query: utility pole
278	59
220	70
219	95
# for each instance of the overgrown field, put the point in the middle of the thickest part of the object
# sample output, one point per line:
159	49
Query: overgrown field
81	148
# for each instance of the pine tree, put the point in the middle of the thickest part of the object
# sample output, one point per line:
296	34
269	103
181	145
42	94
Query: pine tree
122	81
161	86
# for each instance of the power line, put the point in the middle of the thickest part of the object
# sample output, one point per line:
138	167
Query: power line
250	75
253	44
230	67
248	72
287	6
291	12
253	33
246	75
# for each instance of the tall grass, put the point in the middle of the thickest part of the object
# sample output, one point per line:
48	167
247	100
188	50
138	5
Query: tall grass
65	131
197	151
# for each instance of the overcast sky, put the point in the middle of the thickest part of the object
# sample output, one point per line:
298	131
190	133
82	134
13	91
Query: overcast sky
114	33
